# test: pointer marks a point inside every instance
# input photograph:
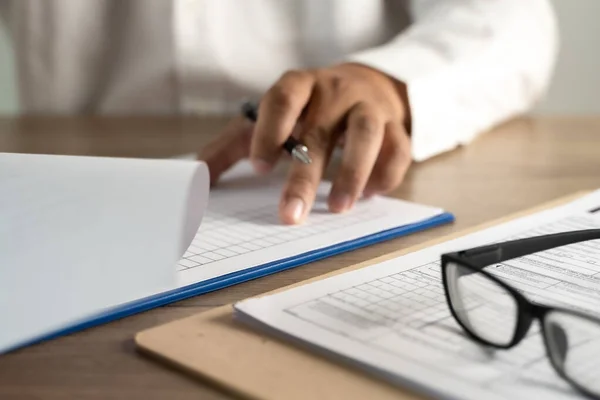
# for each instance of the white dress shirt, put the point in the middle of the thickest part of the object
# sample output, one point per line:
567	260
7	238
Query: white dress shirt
468	64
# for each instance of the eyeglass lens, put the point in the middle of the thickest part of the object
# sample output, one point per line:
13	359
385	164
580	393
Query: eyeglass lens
574	345
483	306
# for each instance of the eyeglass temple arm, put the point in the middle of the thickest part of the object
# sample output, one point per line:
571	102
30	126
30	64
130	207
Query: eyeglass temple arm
496	253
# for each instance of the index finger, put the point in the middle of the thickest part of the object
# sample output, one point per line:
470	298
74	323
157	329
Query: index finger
278	113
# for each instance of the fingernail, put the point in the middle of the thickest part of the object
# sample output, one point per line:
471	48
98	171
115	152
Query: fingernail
293	209
340	202
261	166
368	195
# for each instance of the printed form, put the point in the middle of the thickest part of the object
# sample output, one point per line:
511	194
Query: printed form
392	318
241	228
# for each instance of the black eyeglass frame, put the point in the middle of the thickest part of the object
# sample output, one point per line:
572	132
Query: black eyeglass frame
476	259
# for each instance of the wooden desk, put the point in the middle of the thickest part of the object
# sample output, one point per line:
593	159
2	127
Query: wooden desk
519	165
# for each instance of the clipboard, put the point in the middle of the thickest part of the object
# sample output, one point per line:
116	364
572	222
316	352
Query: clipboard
252	364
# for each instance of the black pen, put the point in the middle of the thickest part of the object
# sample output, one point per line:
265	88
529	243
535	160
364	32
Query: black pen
296	149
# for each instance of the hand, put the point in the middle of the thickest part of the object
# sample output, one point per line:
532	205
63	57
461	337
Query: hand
359	105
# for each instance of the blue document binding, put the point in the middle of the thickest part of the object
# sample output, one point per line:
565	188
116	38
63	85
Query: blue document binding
235	278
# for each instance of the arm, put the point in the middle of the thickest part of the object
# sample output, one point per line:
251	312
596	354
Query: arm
468	65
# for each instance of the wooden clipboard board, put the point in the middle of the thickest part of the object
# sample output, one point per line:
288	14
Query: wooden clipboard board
252	364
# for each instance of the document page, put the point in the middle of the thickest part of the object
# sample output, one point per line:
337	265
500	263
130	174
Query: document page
392	319
79	235
241	228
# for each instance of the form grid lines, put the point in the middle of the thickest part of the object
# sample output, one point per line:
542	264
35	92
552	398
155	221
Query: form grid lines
221	237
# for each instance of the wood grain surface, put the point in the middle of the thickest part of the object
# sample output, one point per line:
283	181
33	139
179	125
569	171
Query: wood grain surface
518	165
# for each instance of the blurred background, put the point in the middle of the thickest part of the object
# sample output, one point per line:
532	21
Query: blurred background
575	89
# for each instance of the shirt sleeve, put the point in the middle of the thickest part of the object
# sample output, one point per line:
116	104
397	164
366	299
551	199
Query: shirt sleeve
468	65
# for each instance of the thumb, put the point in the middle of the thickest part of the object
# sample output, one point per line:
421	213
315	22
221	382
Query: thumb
230	146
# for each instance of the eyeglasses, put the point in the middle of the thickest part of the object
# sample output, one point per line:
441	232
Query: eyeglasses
495	314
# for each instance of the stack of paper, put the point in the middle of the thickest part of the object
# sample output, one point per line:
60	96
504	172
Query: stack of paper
85	240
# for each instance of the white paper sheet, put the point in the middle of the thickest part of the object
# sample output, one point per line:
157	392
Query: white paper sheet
81	234
241	228
392	318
